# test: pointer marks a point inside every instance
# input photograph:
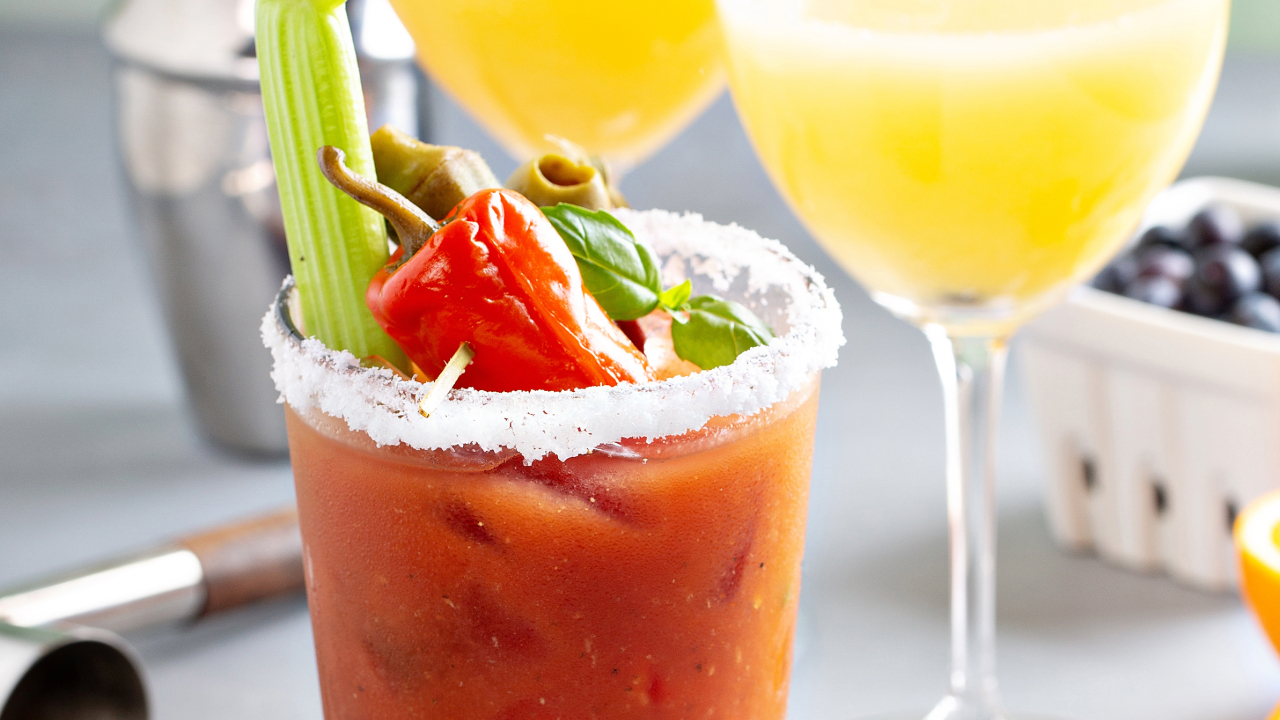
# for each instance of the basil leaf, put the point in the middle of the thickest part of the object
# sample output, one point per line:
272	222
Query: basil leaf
617	269
673	299
717	332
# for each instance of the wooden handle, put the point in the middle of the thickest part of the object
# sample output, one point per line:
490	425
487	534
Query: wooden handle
249	561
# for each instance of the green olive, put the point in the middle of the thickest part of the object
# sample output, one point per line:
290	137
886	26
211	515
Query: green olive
433	177
553	179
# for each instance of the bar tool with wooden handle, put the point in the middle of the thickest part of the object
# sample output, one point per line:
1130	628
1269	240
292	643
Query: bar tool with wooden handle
59	655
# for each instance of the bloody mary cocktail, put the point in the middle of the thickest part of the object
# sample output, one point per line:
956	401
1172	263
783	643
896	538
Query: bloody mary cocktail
601	586
654	576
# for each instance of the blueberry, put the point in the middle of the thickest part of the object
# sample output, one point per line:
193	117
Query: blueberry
1215	225
1256	310
1262	239
1156	290
1223	274
1115	277
1202	300
1165	261
1165	235
1270	262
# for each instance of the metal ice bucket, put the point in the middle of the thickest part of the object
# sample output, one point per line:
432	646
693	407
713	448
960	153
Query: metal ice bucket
193	144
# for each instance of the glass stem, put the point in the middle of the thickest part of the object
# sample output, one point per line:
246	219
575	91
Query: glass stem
972	372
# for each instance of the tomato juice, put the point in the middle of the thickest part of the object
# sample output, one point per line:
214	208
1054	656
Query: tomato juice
652	581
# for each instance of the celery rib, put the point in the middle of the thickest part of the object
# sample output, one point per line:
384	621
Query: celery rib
311	95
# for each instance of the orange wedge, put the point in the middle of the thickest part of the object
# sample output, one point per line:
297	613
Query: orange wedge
1257	535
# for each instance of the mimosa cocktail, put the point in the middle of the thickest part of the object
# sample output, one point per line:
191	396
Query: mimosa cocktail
618	78
968	160
983	156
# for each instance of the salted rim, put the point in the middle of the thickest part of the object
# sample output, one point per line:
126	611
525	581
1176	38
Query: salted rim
574	422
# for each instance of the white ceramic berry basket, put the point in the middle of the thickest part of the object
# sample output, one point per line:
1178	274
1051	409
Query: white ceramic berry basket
1157	425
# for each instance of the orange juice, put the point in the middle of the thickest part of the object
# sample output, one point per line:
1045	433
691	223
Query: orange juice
973	152
618	78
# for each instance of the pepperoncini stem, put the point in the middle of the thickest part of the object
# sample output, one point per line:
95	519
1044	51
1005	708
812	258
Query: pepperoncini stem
553	179
413	225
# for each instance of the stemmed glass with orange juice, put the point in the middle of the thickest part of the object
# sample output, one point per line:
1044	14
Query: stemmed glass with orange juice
618	78
968	161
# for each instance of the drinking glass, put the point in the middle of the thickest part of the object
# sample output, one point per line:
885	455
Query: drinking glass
609	552
617	78
968	161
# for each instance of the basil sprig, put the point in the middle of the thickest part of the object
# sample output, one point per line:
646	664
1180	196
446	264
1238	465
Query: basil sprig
617	269
622	274
717	332
673	299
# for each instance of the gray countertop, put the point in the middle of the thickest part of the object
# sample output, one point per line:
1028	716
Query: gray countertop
97	454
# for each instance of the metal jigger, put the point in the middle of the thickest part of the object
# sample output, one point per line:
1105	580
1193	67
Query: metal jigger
76	674
193	143
60	658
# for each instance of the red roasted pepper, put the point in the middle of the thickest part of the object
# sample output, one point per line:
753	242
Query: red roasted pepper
498	276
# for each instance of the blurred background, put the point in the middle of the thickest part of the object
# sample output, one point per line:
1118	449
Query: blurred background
99	454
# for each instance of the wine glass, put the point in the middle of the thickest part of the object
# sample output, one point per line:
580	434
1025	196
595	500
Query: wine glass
968	161
617	78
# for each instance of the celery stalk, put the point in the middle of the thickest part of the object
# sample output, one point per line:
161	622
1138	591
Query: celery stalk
312	97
